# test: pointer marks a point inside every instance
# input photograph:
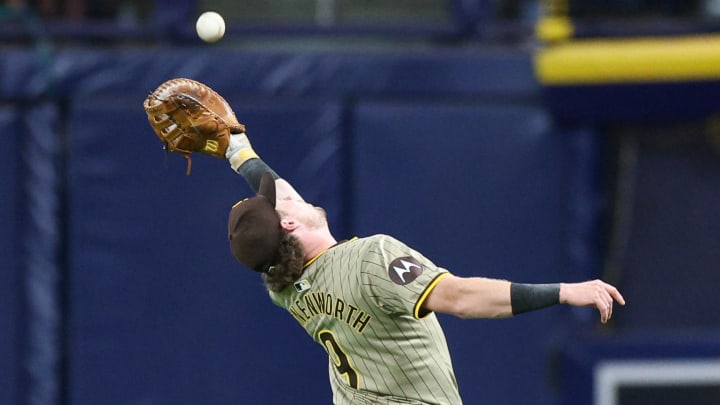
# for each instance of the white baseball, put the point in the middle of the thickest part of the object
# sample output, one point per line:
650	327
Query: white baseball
210	26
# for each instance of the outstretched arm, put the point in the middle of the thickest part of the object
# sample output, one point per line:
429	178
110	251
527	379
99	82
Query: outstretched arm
247	163
478	297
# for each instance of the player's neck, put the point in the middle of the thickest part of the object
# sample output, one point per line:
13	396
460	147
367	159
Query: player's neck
316	243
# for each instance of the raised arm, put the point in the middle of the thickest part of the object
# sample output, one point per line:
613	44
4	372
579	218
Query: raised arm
247	163
478	297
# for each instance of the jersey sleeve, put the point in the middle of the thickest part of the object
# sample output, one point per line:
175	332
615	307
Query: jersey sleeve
398	278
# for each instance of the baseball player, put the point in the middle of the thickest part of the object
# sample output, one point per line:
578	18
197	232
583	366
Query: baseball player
371	301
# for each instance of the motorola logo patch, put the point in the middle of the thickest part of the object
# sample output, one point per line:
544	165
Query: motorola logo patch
404	270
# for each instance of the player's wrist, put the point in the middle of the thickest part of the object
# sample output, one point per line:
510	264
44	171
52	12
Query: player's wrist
529	297
253	170
239	150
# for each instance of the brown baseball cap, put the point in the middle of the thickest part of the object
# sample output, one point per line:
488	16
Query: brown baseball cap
254	228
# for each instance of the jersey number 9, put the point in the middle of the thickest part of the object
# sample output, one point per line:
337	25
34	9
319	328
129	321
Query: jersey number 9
339	358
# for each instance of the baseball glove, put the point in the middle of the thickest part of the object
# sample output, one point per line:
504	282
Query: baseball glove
189	116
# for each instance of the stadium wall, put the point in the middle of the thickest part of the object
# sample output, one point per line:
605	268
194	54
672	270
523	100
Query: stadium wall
455	152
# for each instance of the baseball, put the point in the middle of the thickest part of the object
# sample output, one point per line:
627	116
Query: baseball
210	26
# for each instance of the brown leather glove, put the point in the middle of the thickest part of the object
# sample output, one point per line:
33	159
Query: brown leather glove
189	116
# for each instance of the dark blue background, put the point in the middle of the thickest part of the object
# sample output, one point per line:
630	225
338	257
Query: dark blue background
458	153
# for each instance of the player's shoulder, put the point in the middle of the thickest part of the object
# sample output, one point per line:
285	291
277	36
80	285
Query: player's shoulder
380	244
371	238
379	239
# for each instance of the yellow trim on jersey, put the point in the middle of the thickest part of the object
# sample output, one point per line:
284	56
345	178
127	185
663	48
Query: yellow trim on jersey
317	256
421	301
630	60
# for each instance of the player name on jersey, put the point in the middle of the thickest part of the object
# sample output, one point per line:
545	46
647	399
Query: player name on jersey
318	303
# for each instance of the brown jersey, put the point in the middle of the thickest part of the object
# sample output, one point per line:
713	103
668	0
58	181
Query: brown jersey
362	301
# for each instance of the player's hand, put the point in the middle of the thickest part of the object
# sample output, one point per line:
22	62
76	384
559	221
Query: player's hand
594	293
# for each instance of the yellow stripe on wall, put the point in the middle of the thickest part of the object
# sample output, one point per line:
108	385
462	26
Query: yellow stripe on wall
634	60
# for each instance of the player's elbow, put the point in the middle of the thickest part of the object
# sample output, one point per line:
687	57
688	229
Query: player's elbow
472	310
468	306
451	305
461	310
468	303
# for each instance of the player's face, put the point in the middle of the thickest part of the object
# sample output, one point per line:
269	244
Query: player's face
302	212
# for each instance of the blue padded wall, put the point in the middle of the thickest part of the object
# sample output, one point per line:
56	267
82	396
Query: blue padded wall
479	189
161	313
9	262
451	150
673	247
502	74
